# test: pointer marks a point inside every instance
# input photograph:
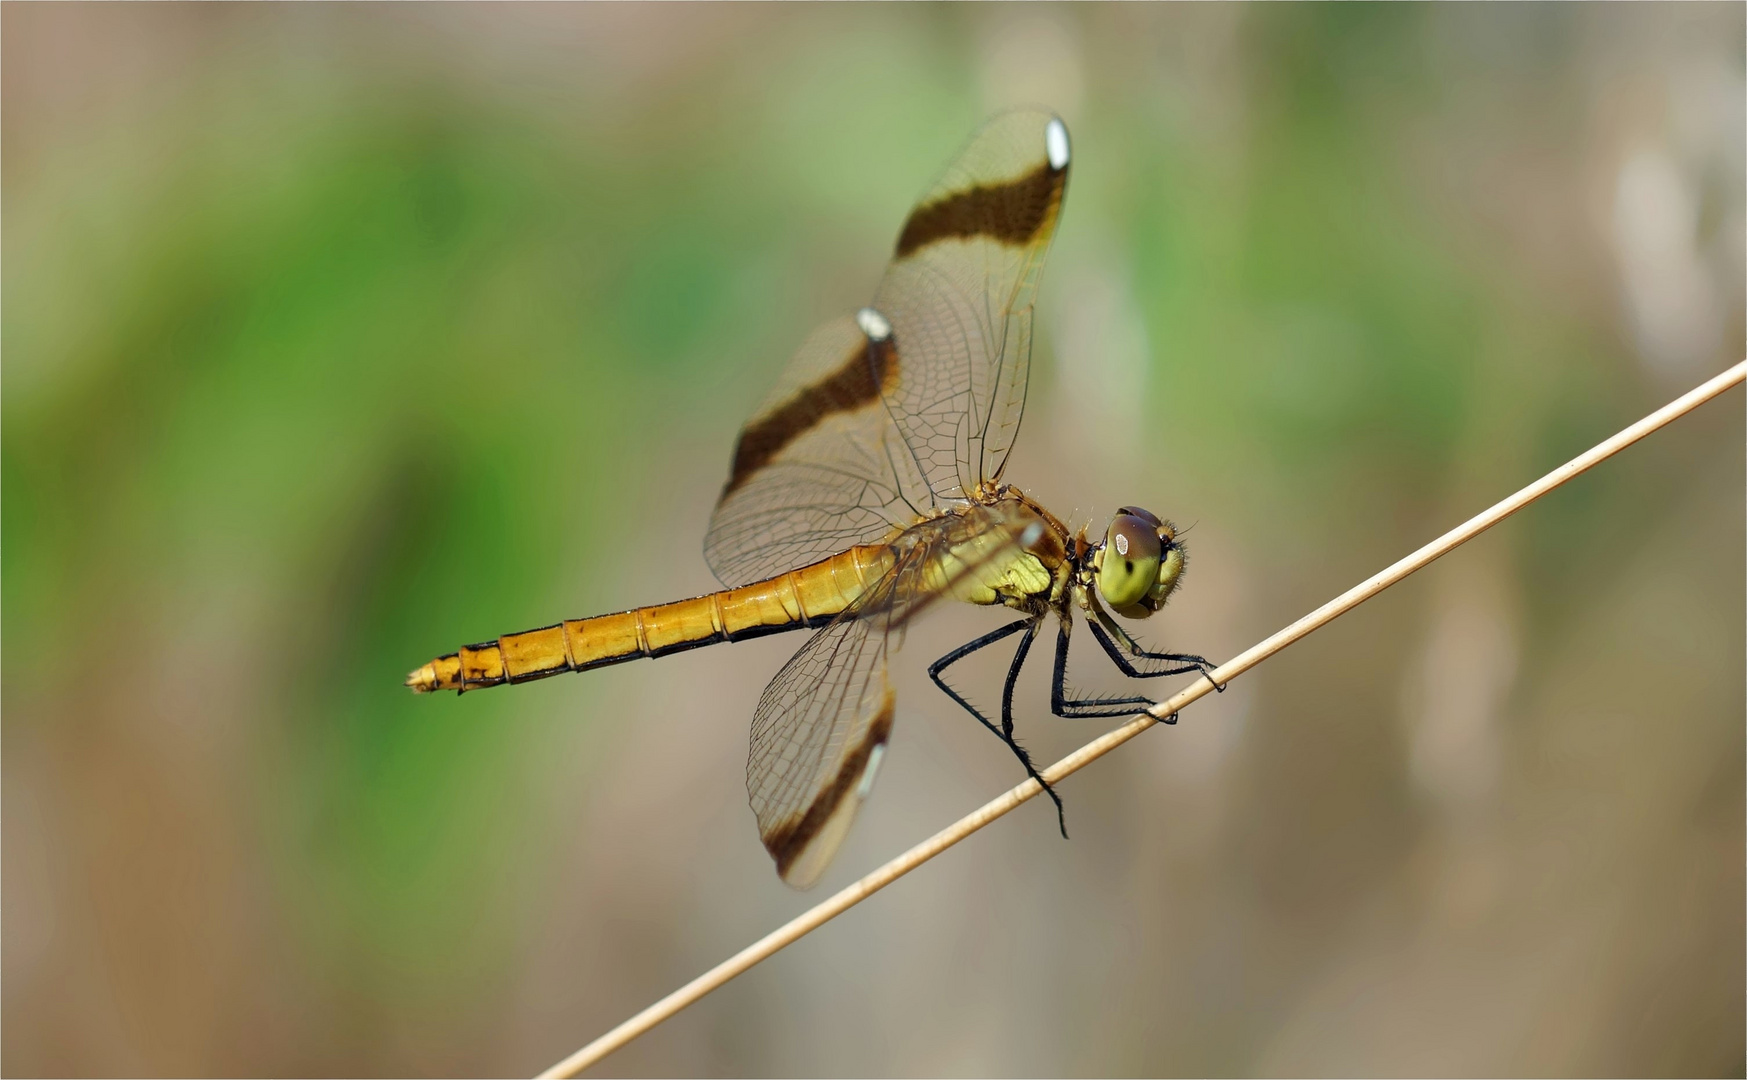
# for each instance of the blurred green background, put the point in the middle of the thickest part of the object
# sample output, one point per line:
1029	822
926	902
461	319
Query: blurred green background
337	336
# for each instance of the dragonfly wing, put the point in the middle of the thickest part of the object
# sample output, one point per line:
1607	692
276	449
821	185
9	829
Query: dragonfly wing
959	296
820	468
823	722
909	405
817	739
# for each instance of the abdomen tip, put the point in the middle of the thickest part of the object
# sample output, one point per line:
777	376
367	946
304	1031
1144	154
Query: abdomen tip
422	680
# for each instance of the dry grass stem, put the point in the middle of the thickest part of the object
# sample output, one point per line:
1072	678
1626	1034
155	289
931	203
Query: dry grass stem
1092	751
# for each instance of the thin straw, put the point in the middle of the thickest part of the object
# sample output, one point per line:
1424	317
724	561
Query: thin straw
1092	751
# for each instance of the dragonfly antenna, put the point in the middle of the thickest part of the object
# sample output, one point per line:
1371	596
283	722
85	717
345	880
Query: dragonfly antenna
1000	807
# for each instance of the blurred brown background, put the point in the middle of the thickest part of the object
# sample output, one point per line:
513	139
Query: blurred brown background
337	336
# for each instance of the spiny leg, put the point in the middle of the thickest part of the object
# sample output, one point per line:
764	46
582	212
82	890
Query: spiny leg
1005	731
1105	628
1085	708
1019	655
1183	663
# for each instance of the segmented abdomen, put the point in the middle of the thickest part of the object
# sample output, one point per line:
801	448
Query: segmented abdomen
805	597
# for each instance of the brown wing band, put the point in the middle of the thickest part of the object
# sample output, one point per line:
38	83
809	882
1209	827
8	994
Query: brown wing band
1011	213
787	841
860	381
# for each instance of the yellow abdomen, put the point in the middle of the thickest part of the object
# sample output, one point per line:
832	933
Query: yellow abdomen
799	598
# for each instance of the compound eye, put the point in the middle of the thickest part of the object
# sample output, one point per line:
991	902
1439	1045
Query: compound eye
1144	515
1129	565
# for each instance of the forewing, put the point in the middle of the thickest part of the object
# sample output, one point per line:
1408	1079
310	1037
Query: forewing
820	467
911	404
959	296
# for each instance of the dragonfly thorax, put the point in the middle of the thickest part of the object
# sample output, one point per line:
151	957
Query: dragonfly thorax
1138	563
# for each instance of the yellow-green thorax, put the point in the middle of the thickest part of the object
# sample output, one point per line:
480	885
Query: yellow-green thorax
985	567
977	572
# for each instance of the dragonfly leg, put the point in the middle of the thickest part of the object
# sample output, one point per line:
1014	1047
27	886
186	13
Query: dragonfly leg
1005	731
1085	708
1179	663
1105	628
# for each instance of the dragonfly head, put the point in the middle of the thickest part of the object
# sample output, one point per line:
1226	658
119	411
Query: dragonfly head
1138	563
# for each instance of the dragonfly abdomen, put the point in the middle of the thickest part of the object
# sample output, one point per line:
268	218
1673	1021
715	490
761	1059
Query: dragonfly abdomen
809	596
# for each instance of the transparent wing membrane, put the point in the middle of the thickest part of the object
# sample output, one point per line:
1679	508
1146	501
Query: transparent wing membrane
816	740
880	430
881	419
820	468
822	724
959	296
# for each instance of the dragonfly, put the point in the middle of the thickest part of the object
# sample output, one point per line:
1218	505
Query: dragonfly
870	485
